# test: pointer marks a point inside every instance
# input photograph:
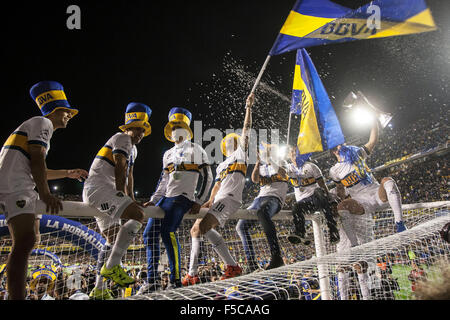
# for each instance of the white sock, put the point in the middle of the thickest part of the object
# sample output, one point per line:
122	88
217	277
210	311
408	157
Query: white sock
193	261
126	234
343	282
220	247
364	285
394	199
103	256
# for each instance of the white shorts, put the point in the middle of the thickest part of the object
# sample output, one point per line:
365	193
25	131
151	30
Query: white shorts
223	208
109	201
354	230
17	203
370	200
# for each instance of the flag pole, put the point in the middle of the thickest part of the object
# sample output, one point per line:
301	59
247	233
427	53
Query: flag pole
258	79
289	128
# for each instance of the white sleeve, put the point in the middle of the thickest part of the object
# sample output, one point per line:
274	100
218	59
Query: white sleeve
207	178
161	187
122	144
133	156
40	131
332	176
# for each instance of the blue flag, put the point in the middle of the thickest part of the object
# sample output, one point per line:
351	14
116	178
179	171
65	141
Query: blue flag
317	22
319	126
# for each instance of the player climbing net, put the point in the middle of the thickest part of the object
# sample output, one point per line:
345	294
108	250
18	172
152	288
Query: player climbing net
395	261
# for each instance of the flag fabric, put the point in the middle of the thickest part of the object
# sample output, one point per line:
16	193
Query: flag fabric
317	22
319	126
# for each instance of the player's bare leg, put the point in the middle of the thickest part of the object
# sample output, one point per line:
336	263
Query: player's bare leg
23	234
352	206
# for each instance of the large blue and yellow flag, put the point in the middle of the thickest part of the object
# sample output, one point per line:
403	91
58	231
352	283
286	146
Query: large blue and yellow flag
317	22
319	126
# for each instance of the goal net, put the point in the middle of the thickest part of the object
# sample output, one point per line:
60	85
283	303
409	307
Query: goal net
64	261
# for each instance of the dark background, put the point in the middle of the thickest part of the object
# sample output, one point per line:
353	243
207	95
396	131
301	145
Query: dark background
173	53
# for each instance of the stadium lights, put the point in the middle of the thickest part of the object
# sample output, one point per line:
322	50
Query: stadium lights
55	188
362	116
363	111
282	152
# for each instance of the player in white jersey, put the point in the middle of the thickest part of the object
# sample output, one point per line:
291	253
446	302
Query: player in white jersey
109	188
311	194
22	169
225	199
273	182
352	174
183	166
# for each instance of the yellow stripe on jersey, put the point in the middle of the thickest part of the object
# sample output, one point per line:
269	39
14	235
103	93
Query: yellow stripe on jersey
18	141
234	167
307	182
350	180
274	178
183	167
296	183
106	154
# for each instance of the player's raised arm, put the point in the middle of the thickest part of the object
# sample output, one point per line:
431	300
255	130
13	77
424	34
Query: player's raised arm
373	139
247	121
255	173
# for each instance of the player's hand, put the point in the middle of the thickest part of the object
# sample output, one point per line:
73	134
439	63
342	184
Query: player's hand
78	174
148	204
53	204
195	208
207	204
250	100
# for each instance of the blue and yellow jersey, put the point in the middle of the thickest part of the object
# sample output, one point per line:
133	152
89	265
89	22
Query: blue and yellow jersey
15	170
102	171
353	172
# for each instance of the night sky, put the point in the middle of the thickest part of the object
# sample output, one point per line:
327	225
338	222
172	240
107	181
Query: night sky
179	54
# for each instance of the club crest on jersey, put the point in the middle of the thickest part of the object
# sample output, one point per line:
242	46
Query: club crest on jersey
21	203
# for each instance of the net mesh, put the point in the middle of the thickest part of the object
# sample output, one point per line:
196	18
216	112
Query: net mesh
393	263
